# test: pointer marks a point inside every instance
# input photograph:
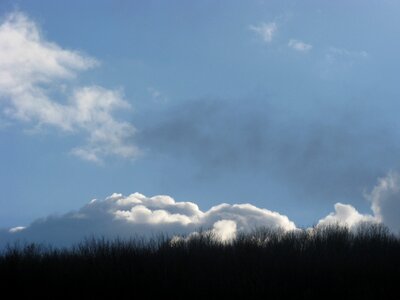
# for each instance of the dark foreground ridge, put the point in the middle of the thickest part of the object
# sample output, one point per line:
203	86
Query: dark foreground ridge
330	262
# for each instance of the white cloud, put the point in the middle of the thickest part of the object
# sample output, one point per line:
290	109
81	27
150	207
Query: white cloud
31	66
385	205
385	201
225	230
266	31
27	58
247	216
347	215
299	45
137	214
16	229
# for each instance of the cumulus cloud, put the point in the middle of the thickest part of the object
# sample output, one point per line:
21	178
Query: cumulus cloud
137	214
225	230
32	67
346	215
299	45
385	205
266	31
385	200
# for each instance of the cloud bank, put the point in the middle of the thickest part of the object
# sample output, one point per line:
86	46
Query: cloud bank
33	69
138	215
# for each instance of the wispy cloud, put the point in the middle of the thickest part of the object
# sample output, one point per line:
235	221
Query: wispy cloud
266	31
30	66
299	45
340	60
334	52
156	94
344	57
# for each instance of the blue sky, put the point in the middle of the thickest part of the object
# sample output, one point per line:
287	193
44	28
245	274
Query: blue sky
289	105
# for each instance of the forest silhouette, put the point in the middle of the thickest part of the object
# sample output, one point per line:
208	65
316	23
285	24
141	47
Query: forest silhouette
330	261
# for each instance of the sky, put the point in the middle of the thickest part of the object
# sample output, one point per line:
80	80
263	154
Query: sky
288	106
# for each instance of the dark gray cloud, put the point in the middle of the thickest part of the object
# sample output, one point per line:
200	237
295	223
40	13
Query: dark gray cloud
331	153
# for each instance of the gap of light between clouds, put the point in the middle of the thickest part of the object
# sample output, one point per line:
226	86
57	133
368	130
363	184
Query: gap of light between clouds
136	214
30	66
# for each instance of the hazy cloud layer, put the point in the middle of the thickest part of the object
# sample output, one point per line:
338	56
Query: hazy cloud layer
32	68
333	155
